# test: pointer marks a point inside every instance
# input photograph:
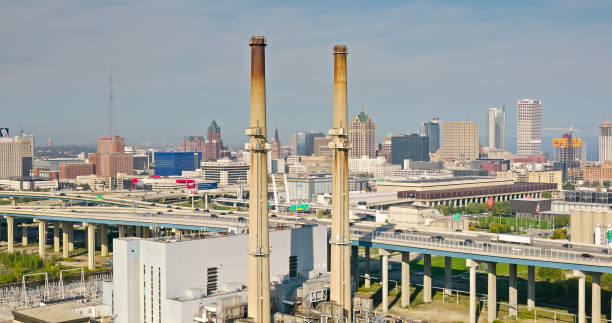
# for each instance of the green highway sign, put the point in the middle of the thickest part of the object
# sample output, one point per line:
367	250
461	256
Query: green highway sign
456	216
299	207
609	235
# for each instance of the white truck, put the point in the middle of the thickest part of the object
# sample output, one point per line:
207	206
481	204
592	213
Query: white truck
512	238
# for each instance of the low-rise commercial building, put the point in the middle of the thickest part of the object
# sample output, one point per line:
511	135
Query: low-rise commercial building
72	170
598	174
306	188
463	190
525	176
225	172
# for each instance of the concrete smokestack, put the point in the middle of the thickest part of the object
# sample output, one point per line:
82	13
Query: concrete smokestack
259	247
340	291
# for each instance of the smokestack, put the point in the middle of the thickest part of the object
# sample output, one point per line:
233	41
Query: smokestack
259	247
340	291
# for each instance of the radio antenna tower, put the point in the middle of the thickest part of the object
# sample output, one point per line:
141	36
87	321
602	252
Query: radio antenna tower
111	108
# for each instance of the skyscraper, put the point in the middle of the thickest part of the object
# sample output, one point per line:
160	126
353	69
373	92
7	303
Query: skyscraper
496	128
460	140
362	136
213	142
431	129
293	144
15	156
409	146
276	146
305	142
192	144
529	128
111	158
605	141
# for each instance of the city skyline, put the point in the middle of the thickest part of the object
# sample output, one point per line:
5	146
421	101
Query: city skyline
446	42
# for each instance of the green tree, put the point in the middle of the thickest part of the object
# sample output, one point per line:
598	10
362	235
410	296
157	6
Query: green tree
559	234
562	220
586	183
550	274
86	187
606	183
442	209
569	186
606	282
547	195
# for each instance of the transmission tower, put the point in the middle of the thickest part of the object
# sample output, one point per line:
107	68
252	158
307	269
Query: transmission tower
111	108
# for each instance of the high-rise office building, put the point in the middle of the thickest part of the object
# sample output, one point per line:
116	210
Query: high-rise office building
192	144
384	148
321	146
305	142
213	143
496	128
409	146
362	136
460	140
15	156
529	128
111	158
605	141
431	129
275	144
293	144
174	163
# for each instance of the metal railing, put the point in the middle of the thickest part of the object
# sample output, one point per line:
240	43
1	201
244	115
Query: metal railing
476	246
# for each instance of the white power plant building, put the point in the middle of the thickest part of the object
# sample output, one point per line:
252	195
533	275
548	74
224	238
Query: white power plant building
172	279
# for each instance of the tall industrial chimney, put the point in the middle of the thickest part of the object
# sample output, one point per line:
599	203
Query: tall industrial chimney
340	291
259	247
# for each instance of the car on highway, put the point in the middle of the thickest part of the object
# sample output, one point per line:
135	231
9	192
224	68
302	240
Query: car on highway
241	219
160	213
196	209
169	210
212	215
587	255
398	231
606	251
437	238
412	230
486	245
230	212
567	245
468	242
62	194
169	206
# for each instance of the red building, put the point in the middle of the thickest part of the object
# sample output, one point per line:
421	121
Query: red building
72	170
275	143
192	144
213	143
111	158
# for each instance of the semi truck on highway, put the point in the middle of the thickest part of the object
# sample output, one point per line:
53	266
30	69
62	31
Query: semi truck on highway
512	238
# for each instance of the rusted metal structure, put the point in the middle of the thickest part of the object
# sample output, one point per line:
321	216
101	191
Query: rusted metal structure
259	247
340	287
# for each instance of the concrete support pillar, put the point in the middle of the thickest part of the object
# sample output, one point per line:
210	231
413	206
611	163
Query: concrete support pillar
146	232
367	267
91	246
13	201
70	227
512	293
206	202
492	292
596	298
530	287
65	239
122	231
581	297
472	267
24	234
448	272
427	278
355	267
104	240
56	237
139	232
10	233
384	255
405	279
42	238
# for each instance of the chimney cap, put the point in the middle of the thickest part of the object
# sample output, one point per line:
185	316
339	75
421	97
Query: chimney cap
257	40
340	49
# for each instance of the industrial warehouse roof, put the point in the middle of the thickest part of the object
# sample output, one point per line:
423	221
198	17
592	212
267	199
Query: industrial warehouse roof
56	313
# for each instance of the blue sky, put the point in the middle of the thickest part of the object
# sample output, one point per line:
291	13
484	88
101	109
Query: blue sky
179	64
